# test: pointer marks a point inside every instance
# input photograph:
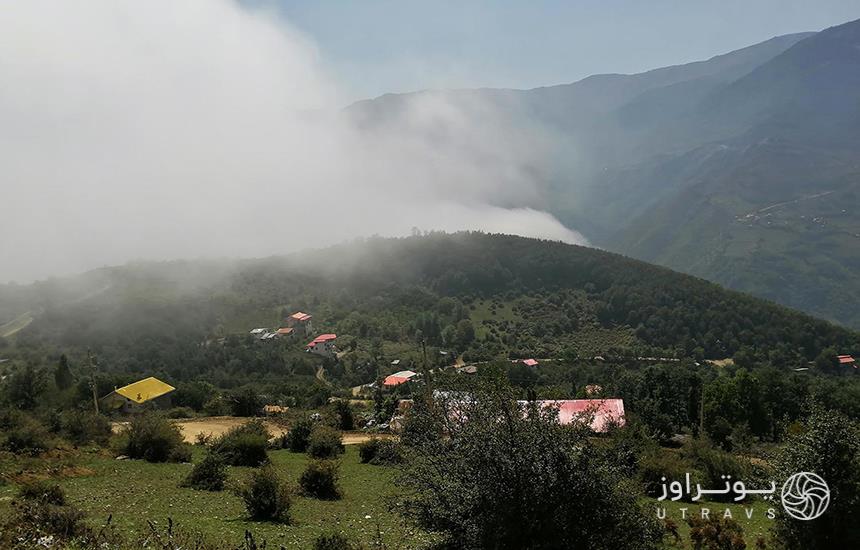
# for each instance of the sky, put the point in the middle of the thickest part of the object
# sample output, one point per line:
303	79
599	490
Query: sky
159	130
379	46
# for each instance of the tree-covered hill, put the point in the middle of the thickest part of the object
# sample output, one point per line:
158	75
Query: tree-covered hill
484	296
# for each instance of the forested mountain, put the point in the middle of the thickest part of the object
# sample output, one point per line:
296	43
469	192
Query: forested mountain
742	169
483	296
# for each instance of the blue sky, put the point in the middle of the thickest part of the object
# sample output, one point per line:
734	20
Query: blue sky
377	46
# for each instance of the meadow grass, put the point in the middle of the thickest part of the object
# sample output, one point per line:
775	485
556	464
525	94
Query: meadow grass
134	492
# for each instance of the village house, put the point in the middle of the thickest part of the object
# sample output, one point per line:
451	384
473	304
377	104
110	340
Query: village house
301	322
286	332
258	333
847	361
601	413
322	345
149	393
530	362
398	378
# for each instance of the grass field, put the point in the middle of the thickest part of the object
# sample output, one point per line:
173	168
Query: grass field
15	325
135	492
756	526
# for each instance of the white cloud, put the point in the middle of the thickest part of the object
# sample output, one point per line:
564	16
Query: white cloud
166	129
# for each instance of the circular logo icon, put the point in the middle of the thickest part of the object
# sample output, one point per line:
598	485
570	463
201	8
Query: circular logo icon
805	496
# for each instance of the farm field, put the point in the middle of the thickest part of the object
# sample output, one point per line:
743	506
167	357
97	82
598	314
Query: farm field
135	492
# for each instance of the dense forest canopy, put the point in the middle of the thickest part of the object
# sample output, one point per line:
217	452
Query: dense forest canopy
549	294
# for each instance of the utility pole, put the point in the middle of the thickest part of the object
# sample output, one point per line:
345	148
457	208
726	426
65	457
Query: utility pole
93	385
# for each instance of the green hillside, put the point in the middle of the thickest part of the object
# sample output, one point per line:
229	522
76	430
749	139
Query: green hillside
483	296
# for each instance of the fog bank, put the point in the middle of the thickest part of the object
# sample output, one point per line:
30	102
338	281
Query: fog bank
162	129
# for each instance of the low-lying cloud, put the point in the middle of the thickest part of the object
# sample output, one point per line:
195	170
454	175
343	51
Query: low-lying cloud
163	129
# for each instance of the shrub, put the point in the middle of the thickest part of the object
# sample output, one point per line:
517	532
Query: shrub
380	452
716	533
154	439
180	412
210	474
335	541
343	415
657	464
82	427
43	492
32	521
23	434
714	463
296	440
266	497
244	445
325	442
368	450
320	480
505	479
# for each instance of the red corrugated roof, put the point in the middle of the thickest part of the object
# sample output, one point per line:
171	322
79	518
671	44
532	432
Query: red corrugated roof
322	338
285	330
605	411
844	359
530	362
301	316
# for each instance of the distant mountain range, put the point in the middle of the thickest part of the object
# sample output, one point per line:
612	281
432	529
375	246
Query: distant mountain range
743	169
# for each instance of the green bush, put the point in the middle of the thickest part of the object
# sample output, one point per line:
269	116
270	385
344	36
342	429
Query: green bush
32	521
714	463
320	480
244	445
368	450
380	452
180	412
334	541
210	474
324	442
343	415
23	434
265	496
296	440
658	464
151	437
43	492
716	533
82	427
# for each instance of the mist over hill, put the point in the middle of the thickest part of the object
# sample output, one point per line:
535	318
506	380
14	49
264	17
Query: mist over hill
741	169
559	299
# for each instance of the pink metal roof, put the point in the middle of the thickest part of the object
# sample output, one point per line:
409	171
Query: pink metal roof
394	380
530	362
845	359
301	316
322	338
605	411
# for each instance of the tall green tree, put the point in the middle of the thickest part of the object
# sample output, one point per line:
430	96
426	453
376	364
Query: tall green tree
508	476
830	447
62	374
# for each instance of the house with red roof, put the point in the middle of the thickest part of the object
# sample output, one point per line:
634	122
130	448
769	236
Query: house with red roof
322	345
847	361
301	322
398	378
599	413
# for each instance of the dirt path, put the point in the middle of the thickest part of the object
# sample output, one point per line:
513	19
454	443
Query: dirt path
219	425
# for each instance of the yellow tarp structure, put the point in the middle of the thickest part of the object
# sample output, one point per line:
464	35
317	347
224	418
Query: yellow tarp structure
145	390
